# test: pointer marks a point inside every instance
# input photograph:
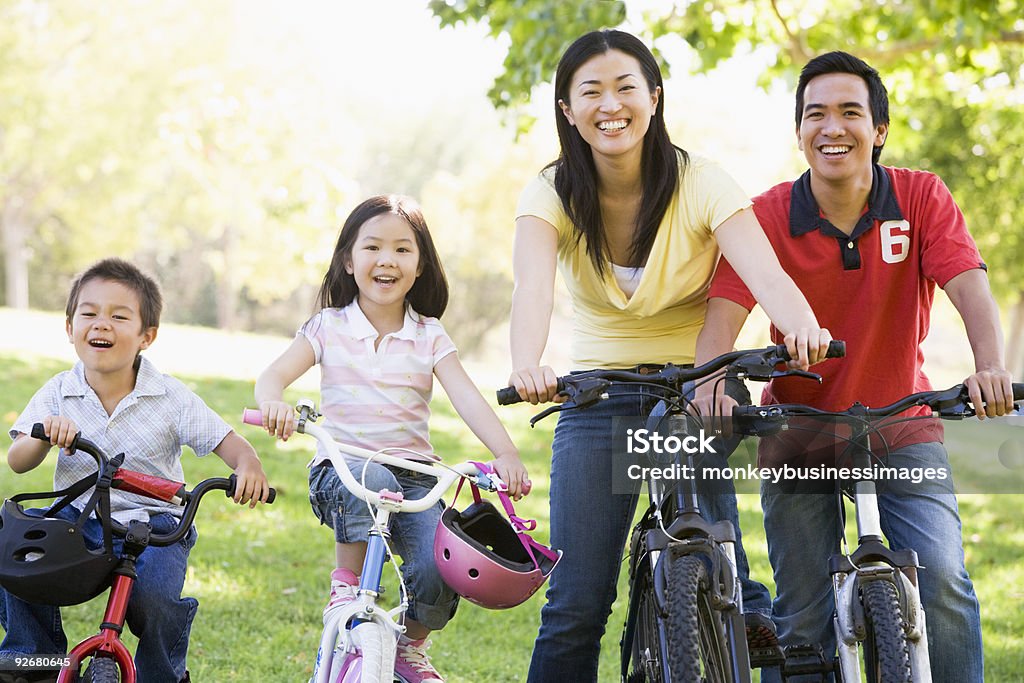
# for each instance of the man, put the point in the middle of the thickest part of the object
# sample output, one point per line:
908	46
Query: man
867	244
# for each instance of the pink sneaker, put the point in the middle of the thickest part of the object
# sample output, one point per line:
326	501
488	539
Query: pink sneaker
413	663
343	590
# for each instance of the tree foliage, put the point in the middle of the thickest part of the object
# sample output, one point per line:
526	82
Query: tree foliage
953	69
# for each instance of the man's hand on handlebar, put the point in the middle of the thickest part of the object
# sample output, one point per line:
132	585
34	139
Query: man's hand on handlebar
536	384
991	392
807	346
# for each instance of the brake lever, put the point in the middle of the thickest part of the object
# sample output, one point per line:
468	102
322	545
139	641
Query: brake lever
585	392
796	373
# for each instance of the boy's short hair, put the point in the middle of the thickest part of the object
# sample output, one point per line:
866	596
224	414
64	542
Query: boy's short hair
122	272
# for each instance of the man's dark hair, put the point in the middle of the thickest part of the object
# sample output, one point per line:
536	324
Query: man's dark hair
122	272
845	63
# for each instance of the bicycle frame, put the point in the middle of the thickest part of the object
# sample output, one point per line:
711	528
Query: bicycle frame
343	656
872	560
658	538
107	643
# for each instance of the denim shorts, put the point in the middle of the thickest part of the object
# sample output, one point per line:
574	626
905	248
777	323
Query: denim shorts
431	601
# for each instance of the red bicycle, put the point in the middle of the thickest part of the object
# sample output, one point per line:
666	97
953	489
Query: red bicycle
51	563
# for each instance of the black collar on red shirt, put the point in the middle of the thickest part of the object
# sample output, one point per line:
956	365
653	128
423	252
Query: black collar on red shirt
805	216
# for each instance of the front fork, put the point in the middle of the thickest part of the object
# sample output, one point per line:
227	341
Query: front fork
850	624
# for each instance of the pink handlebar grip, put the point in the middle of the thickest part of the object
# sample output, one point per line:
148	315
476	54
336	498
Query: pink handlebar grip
251	416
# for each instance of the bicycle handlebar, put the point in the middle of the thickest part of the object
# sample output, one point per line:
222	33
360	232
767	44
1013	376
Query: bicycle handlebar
757	364
951	404
336	451
150	486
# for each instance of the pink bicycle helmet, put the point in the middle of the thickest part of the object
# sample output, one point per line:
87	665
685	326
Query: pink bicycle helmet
487	559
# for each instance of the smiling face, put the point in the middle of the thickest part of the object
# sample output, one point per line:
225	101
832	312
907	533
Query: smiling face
611	104
106	329
836	132
385	262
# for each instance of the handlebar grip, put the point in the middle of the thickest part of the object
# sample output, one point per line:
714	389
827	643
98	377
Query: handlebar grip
39	432
506	396
1018	391
836	349
509	395
233	481
251	416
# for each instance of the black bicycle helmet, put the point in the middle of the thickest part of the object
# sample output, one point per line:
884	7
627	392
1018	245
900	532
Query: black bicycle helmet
44	559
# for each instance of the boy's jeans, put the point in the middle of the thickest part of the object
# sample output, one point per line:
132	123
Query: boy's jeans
591	525
802	534
157	613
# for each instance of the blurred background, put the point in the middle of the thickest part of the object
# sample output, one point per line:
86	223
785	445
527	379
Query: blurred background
222	144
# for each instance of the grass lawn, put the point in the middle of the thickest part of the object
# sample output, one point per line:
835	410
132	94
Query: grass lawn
261	575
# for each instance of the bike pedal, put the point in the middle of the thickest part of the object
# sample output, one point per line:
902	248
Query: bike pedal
806	659
766	656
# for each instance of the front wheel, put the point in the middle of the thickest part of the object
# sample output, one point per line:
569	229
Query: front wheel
649	664
102	670
886	655
374	660
697	648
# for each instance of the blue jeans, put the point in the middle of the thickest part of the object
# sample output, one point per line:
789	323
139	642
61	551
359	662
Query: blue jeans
157	613
431	602
802	532
590	525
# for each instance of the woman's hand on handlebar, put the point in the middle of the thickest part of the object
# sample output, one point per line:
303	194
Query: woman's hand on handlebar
807	346
991	392
278	419
715	407
513	472
536	384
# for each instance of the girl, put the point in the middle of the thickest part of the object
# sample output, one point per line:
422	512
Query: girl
635	224
378	342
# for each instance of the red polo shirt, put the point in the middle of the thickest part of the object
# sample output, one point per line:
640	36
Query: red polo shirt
873	288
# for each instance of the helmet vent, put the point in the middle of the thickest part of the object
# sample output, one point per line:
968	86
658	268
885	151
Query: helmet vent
35	535
474	573
447	554
28	554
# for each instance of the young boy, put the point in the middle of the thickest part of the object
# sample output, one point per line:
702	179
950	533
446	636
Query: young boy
867	244
123	404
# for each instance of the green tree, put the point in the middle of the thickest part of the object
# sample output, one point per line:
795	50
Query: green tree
953	68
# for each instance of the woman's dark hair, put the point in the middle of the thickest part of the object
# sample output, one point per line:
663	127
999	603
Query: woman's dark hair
575	174
845	63
429	294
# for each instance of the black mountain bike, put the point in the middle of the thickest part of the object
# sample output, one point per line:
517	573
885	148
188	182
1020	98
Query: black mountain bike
685	621
878	614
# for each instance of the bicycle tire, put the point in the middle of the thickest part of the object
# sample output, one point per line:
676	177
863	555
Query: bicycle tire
375	666
647	660
102	670
697	647
886	654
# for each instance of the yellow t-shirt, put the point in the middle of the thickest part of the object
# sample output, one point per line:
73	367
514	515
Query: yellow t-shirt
660	322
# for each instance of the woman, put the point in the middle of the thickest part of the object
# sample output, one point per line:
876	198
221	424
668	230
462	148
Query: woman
636	225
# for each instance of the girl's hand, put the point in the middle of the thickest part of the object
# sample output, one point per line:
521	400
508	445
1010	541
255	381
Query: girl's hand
251	484
513	472
278	419
61	430
536	384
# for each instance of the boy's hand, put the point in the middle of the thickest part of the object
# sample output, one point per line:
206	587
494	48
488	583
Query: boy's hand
513	472
807	346
278	419
251	484
61	430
